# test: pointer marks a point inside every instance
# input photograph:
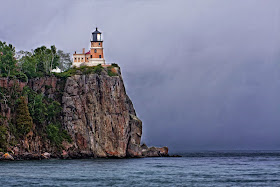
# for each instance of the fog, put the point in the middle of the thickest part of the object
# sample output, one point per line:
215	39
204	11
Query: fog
203	75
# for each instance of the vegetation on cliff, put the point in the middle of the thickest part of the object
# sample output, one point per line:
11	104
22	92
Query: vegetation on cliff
112	71
23	118
30	111
80	70
24	65
3	137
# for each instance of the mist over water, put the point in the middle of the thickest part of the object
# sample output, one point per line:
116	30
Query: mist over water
201	74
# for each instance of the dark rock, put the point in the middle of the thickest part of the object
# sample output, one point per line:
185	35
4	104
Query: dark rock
64	154
7	156
175	156
155	152
100	117
46	155
31	156
16	151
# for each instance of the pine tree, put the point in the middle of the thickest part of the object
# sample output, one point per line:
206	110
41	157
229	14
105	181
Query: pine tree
23	120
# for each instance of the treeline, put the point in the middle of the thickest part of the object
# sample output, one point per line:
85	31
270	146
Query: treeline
24	65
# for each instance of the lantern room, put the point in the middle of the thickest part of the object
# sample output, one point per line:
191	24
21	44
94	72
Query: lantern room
96	36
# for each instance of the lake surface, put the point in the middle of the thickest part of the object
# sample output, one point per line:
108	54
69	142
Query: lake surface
193	169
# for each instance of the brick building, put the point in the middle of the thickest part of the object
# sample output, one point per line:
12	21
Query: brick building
94	56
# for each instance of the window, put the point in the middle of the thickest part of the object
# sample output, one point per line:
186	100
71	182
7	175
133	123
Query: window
82	58
99	56
98	37
87	58
99	43
90	56
95	50
75	58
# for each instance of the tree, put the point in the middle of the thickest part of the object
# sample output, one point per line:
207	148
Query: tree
37	63
7	60
42	61
23	118
39	110
54	58
65	61
53	110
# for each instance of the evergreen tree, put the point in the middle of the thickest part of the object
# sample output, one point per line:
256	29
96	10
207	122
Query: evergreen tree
7	60
23	120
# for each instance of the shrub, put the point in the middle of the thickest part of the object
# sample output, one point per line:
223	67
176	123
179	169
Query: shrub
98	69
112	71
3	136
13	130
56	134
22	77
88	71
53	134
39	109
48	86
83	67
80	70
53	110
115	65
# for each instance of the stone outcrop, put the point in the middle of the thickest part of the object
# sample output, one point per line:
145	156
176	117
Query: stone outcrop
97	114
7	156
100	117
155	152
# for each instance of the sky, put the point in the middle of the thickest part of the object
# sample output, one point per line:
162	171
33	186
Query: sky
202	74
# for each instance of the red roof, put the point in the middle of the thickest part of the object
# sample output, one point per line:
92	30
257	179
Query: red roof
88	53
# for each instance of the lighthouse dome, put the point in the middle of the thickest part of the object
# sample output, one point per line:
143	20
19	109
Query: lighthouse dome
96	31
96	36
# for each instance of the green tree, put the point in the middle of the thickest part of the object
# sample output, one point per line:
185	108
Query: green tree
23	118
56	134
65	61
7	60
28	64
54	58
41	62
53	109
39	110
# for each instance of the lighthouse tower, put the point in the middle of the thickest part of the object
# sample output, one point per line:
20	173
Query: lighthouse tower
96	49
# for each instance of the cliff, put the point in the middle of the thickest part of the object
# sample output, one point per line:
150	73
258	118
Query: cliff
86	114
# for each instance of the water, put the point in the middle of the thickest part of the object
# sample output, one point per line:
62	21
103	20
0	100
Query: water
193	169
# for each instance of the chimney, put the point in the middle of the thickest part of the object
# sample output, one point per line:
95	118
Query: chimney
83	50
75	52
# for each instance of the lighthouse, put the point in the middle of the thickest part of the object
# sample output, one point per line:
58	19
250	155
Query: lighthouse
94	56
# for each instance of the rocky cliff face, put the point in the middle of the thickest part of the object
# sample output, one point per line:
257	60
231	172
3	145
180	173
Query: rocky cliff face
97	114
100	117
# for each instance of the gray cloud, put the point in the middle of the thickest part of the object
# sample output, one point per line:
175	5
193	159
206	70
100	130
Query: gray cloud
201	74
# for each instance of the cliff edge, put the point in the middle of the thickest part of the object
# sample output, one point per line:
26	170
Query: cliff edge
96	118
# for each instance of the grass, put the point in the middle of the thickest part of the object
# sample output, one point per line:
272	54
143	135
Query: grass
85	70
